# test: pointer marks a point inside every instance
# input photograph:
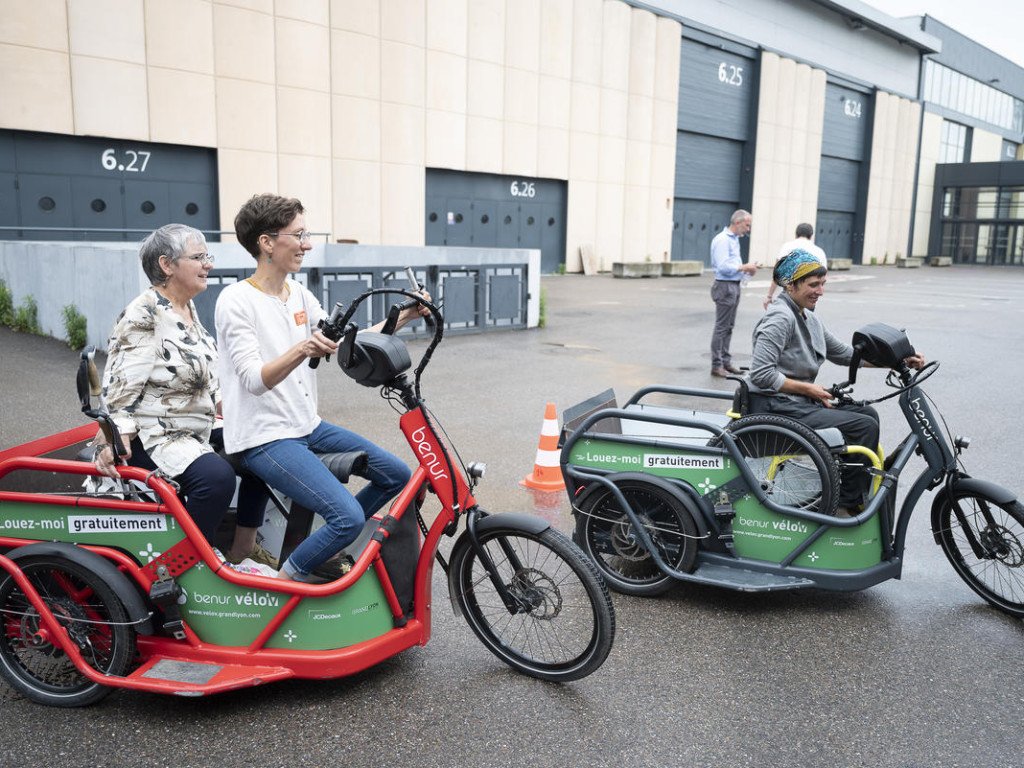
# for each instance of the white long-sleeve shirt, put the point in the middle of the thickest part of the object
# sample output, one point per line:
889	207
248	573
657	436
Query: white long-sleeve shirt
254	328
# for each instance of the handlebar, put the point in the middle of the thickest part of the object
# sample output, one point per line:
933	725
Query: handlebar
907	378
841	394
412	299
330	328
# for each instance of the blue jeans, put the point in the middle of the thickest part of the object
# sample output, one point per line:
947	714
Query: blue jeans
293	468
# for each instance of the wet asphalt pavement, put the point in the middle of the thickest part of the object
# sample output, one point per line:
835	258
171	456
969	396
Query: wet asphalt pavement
916	672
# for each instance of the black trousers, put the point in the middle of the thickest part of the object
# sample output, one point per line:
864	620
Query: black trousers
207	486
858	424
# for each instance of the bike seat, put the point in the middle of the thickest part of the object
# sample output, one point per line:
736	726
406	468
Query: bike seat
344	465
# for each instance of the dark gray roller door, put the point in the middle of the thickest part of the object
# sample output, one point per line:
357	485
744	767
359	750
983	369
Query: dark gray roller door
717	97
8	193
94	188
97	203
708	167
839	185
834	233
494	211
842	185
45	201
698	222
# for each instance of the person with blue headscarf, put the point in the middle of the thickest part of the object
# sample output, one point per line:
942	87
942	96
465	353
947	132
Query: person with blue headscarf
790	345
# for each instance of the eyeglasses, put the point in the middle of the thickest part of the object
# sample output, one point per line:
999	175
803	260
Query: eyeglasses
204	258
302	235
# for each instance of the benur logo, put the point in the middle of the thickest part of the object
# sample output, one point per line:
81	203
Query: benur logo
428	454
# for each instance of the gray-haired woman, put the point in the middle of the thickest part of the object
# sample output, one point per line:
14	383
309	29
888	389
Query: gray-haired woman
160	386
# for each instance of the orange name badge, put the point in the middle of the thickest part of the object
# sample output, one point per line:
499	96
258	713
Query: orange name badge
300	318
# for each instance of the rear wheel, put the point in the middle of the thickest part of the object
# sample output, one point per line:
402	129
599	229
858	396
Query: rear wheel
607	535
563	623
94	617
791	463
984	542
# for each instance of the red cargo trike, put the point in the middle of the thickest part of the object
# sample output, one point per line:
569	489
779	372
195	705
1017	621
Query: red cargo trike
101	591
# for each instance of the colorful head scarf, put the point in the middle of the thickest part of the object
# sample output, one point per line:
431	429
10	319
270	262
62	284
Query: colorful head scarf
795	265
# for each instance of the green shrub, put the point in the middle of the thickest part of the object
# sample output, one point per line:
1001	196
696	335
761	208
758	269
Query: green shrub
542	319
26	316
6	305
74	325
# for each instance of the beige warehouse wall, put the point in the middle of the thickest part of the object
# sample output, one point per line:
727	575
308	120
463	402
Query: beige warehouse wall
791	116
624	92
986	147
346	103
930	147
891	179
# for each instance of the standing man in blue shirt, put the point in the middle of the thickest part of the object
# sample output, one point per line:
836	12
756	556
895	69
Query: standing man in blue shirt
727	263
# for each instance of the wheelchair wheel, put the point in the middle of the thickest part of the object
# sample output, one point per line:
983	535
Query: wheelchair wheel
606	536
92	614
791	463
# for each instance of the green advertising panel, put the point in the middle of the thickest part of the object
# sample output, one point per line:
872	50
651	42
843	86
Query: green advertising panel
230	614
144	535
764	535
704	471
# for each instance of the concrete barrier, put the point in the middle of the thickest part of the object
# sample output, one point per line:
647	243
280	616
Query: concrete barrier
840	265
908	262
682	268
940	261
636	269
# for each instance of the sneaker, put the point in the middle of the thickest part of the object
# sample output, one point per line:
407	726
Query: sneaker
333	569
260	554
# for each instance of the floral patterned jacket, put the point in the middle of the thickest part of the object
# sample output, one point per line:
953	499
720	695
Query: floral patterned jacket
161	381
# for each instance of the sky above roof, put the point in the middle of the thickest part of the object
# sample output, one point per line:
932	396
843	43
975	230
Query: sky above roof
992	23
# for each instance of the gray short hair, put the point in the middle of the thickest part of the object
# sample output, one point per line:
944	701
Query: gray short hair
170	240
739	215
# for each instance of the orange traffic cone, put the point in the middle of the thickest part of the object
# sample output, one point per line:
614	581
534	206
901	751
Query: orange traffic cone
546	475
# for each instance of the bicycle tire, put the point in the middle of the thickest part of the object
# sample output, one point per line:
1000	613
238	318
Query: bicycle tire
997	575
566	623
94	617
605	534
791	463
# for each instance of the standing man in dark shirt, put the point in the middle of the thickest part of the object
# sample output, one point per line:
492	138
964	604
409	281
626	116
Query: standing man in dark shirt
727	263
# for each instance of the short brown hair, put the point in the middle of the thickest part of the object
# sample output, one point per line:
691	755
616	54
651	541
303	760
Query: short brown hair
262	214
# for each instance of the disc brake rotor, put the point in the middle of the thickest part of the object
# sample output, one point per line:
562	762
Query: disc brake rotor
1003	546
537	592
625	541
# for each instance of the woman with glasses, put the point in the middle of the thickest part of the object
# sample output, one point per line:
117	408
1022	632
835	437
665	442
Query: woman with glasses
160	387
266	327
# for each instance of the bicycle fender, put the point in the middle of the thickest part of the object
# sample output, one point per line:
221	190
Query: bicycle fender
514	521
983	488
511	521
100	566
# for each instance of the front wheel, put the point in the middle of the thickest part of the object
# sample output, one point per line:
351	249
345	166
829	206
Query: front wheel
984	542
562	625
90	611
